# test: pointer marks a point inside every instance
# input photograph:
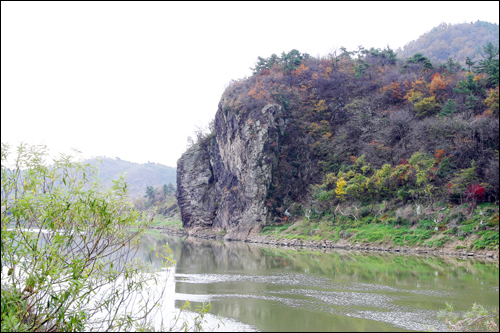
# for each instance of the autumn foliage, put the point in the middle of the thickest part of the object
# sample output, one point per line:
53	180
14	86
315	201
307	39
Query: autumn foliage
438	87
474	192
413	123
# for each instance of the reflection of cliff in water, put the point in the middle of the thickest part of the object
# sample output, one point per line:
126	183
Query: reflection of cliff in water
205	256
303	289
196	256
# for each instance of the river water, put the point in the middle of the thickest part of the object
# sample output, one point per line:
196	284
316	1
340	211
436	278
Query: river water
254	287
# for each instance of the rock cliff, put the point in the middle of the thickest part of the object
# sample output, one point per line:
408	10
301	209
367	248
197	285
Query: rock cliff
299	141
223	182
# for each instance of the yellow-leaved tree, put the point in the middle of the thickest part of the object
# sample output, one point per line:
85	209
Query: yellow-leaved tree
340	191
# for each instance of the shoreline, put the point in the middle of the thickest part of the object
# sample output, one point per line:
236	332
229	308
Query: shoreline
326	244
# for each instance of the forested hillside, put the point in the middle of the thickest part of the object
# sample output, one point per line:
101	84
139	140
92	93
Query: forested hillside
455	41
138	176
159	199
350	135
375	128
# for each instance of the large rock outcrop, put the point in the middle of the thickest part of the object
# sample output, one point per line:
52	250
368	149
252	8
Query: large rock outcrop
223	182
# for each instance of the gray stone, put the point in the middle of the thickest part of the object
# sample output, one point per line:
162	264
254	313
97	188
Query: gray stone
223	182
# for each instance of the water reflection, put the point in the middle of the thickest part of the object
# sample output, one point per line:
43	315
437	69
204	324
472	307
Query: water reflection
285	289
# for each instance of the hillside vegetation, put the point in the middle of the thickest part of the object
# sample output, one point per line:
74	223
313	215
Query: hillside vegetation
138	176
455	41
367	129
377	128
160	200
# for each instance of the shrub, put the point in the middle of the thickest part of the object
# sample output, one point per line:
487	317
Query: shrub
474	193
476	319
66	242
426	224
426	107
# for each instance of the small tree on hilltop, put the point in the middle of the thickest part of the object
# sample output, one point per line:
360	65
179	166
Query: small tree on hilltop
290	61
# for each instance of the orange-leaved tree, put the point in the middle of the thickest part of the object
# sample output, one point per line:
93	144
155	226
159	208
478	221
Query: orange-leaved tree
438	87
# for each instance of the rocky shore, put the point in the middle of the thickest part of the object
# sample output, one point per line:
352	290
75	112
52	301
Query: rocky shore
369	247
343	245
174	231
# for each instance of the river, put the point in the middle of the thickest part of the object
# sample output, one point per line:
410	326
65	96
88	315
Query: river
254	287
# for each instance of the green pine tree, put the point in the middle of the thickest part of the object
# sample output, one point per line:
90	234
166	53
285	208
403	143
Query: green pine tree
290	61
419	58
490	65
448	109
470	63
150	193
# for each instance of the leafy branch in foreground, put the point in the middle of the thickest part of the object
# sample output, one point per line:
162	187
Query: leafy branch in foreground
67	249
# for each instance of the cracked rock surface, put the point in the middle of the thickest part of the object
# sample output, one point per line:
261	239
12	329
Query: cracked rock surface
223	182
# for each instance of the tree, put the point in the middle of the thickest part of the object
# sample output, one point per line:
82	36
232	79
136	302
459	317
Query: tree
290	61
473	194
390	55
339	190
490	65
272	61
462	181
68	244
425	107
470	88
492	102
448	109
168	189
171	189
438	87
150	193
470	63
361	68
361	51
265	64
345	54
418	58
453	67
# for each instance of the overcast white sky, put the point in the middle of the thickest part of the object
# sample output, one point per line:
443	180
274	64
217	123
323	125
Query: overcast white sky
133	79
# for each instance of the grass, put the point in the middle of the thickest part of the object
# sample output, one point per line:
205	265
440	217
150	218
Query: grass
274	229
386	229
161	221
438	242
488	240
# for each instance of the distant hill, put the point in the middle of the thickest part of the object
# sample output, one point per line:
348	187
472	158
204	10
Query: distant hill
138	176
457	41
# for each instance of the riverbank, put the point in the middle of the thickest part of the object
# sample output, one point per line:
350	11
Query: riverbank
447	249
174	231
435	230
344	245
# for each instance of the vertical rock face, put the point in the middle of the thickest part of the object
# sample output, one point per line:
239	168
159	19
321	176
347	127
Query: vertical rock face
224	182
195	187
